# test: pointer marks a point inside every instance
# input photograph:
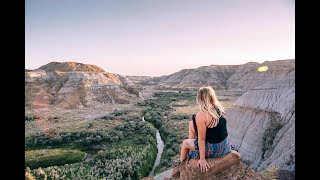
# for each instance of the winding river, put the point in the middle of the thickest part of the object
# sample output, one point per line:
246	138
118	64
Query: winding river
160	146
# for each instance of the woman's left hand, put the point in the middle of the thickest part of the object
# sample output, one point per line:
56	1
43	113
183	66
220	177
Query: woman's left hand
203	165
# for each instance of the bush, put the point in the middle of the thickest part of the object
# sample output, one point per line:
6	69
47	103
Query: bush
120	112
180	116
132	90
270	172
28	175
29	118
108	117
52	157
269	135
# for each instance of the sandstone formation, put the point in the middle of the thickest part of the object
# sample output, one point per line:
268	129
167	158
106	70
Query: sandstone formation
225	167
261	124
71	85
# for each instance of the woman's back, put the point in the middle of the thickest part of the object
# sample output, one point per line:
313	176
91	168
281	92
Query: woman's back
218	133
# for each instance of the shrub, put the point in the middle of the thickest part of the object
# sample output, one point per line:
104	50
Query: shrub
270	172
180	116
108	117
122	101
29	118
28	175
120	112
269	135
132	90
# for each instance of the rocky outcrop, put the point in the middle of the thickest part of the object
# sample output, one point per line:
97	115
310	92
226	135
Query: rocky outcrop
164	175
71	85
225	167
225	77
261	124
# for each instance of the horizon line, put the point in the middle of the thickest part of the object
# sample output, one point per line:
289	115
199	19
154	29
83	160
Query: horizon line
165	74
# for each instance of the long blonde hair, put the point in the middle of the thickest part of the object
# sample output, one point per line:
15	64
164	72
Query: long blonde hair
209	103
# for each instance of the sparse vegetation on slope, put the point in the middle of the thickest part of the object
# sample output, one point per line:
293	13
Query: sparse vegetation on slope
124	150
157	110
269	135
117	164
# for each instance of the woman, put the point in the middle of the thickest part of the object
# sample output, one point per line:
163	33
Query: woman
208	135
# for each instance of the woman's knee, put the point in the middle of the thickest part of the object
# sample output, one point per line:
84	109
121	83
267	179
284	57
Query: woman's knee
188	143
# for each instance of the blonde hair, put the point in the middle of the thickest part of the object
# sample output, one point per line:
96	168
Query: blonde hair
209	103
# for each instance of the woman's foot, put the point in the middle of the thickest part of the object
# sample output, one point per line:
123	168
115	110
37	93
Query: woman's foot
176	163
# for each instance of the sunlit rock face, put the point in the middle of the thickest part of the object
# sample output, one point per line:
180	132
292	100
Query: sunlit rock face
261	124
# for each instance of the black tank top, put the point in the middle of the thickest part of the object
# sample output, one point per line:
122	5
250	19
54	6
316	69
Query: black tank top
215	134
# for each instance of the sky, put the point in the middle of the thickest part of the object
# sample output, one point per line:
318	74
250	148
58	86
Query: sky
158	37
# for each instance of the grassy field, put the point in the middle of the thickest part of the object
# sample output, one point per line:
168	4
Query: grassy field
52	157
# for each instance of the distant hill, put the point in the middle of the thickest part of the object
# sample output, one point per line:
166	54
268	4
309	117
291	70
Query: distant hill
71	66
72	85
229	77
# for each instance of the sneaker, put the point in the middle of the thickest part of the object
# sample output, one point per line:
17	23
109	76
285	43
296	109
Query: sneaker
176	163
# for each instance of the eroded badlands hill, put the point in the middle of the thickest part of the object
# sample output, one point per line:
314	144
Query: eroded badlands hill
262	124
229	77
71	84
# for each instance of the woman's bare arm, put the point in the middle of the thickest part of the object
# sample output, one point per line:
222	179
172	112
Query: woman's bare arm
200	120
192	133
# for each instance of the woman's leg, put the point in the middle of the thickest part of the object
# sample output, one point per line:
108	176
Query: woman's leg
187	145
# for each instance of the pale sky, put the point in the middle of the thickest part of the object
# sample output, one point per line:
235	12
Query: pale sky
158	37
